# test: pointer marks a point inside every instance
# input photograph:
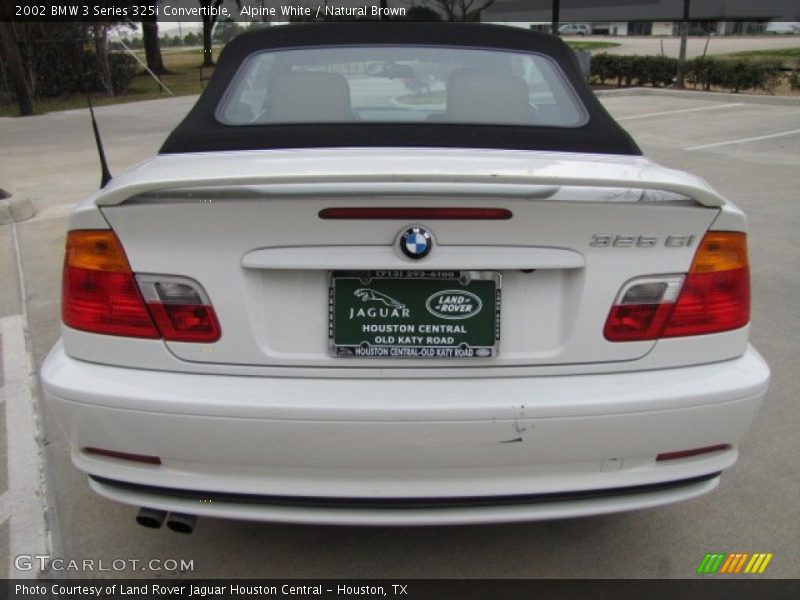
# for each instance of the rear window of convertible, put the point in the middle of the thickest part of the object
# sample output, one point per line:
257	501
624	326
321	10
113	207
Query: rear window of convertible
396	84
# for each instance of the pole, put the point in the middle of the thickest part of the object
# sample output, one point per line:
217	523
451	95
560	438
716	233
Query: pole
681	74
556	16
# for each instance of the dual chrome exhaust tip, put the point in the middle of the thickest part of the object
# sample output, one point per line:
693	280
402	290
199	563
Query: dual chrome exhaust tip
154	519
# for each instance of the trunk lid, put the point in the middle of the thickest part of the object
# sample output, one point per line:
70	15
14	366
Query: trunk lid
253	238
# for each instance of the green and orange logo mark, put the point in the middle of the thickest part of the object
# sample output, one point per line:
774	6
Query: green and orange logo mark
738	562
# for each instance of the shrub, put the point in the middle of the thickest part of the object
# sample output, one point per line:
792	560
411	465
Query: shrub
604	67
655	70
703	72
737	75
123	70
627	70
63	77
734	75
794	80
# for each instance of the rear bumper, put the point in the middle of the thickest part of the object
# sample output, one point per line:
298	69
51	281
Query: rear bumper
404	451
492	509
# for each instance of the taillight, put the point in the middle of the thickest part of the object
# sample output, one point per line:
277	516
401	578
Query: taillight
180	308
99	292
642	308
714	296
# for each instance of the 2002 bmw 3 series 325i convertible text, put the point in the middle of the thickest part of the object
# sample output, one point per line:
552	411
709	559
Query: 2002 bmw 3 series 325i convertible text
403	274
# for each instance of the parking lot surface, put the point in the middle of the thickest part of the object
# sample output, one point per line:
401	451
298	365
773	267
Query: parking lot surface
750	152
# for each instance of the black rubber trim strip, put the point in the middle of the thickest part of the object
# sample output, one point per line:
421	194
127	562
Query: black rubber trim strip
395	503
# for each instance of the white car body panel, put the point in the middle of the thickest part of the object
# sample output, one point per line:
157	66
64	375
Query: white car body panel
266	419
361	438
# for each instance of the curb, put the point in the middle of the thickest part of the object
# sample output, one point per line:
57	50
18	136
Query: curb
697	95
14	210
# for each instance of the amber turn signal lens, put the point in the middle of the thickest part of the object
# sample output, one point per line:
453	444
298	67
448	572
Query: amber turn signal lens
721	251
96	250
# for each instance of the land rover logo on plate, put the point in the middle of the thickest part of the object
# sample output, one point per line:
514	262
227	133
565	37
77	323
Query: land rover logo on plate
454	305
416	242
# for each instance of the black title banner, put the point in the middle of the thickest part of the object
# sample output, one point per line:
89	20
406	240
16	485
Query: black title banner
530	11
410	589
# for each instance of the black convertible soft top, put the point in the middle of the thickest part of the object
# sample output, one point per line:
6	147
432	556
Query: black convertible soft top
200	131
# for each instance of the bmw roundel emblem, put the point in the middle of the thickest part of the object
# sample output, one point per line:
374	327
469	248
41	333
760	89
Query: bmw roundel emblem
416	242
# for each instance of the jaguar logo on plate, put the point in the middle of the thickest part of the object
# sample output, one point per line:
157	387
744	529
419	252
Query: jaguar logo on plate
416	242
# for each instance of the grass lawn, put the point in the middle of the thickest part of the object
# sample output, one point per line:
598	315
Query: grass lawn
183	79
578	45
790	57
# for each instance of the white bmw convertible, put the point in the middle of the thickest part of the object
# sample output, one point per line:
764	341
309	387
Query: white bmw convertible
402	274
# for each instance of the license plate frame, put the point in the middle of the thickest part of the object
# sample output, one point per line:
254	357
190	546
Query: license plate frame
414	314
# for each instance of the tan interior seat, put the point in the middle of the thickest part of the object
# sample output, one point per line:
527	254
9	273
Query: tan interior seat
309	96
484	97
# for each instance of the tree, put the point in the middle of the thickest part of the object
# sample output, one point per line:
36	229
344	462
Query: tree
100	35
227	30
209	20
14	61
152	45
462	10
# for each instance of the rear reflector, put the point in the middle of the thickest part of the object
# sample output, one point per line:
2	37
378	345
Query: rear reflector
99	292
694	452
464	214
714	296
142	458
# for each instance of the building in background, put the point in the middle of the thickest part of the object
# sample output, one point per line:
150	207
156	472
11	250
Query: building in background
654	17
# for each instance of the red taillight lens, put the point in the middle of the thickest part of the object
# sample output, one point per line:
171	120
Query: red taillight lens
416	212
99	292
633	322
714	296
186	322
180	308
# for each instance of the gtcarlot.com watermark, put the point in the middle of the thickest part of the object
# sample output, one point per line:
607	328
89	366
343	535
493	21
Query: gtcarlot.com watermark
46	562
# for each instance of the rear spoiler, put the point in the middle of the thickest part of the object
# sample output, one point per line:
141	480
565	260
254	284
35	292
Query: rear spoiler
349	172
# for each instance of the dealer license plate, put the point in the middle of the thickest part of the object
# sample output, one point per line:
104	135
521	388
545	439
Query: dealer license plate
414	314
